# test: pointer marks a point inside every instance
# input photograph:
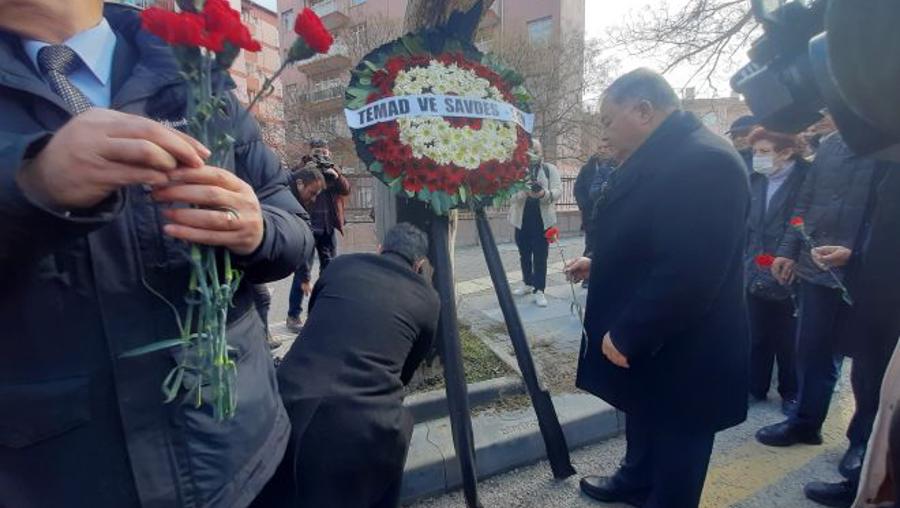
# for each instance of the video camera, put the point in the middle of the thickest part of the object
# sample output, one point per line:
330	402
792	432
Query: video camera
324	164
790	80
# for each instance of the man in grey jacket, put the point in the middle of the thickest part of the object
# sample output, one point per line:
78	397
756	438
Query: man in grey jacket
88	244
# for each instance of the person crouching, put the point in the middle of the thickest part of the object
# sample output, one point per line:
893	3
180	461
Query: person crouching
372	320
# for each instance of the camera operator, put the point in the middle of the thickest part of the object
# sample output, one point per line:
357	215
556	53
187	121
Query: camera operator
532	212
327	211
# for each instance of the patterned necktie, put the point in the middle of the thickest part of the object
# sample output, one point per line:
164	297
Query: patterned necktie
57	62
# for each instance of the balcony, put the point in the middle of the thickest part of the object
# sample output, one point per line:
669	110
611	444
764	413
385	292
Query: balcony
337	59
325	99
334	13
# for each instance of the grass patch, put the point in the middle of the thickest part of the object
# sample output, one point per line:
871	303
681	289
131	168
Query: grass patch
479	362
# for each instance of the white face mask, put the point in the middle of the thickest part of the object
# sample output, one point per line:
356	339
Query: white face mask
764	164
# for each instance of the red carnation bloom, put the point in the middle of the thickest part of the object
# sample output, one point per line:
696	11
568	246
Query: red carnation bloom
764	260
797	222
552	234
184	29
224	24
310	28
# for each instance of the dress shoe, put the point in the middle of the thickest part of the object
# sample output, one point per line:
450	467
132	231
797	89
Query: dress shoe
852	462
789	407
839	494
607	490
788	433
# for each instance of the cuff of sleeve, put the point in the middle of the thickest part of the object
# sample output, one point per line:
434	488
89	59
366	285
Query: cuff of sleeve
16	205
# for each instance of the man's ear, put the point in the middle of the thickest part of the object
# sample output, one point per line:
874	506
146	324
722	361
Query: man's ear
646	111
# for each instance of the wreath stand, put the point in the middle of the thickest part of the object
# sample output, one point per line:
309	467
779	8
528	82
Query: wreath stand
451	352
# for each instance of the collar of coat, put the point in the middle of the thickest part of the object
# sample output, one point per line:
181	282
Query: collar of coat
152	63
649	157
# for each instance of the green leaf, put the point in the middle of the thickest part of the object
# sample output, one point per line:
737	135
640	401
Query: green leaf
356	103
171	386
424	195
376	167
396	185
437	204
366	81
412	44
463	194
153	347
356	91
372	67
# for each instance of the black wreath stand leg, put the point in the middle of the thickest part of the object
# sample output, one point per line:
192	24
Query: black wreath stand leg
548	422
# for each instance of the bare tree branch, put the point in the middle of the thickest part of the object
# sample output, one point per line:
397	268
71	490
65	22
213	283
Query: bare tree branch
696	36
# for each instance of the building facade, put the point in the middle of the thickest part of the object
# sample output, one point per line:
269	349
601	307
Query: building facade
314	90
716	113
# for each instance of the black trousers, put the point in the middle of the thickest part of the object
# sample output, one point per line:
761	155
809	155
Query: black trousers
327	250
818	366
669	465
773	330
865	378
339	461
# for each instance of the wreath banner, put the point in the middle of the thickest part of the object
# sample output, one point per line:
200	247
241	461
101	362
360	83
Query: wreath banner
438	121
411	106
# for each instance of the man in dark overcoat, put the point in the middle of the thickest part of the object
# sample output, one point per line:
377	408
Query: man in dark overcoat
666	327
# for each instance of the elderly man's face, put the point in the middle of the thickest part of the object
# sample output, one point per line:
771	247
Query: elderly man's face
625	126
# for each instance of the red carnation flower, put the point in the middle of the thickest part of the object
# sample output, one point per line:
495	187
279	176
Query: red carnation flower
797	222
184	29
552	234
310	28
764	260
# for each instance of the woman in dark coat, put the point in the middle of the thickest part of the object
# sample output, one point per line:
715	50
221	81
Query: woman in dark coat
778	173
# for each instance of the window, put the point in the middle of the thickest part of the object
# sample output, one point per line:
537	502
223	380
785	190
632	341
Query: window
357	35
540	30
287	19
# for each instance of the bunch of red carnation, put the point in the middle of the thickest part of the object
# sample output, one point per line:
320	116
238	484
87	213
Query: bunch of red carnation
213	27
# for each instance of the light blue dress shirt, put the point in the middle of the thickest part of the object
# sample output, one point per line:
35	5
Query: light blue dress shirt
95	47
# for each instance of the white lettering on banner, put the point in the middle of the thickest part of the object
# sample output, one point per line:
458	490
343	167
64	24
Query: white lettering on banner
392	108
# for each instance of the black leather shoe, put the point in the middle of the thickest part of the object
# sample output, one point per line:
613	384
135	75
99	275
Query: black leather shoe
606	490
852	462
830	494
788	433
789	407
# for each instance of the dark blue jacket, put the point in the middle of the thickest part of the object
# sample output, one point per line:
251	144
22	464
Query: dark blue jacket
667	282
832	202
79	426
767	226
